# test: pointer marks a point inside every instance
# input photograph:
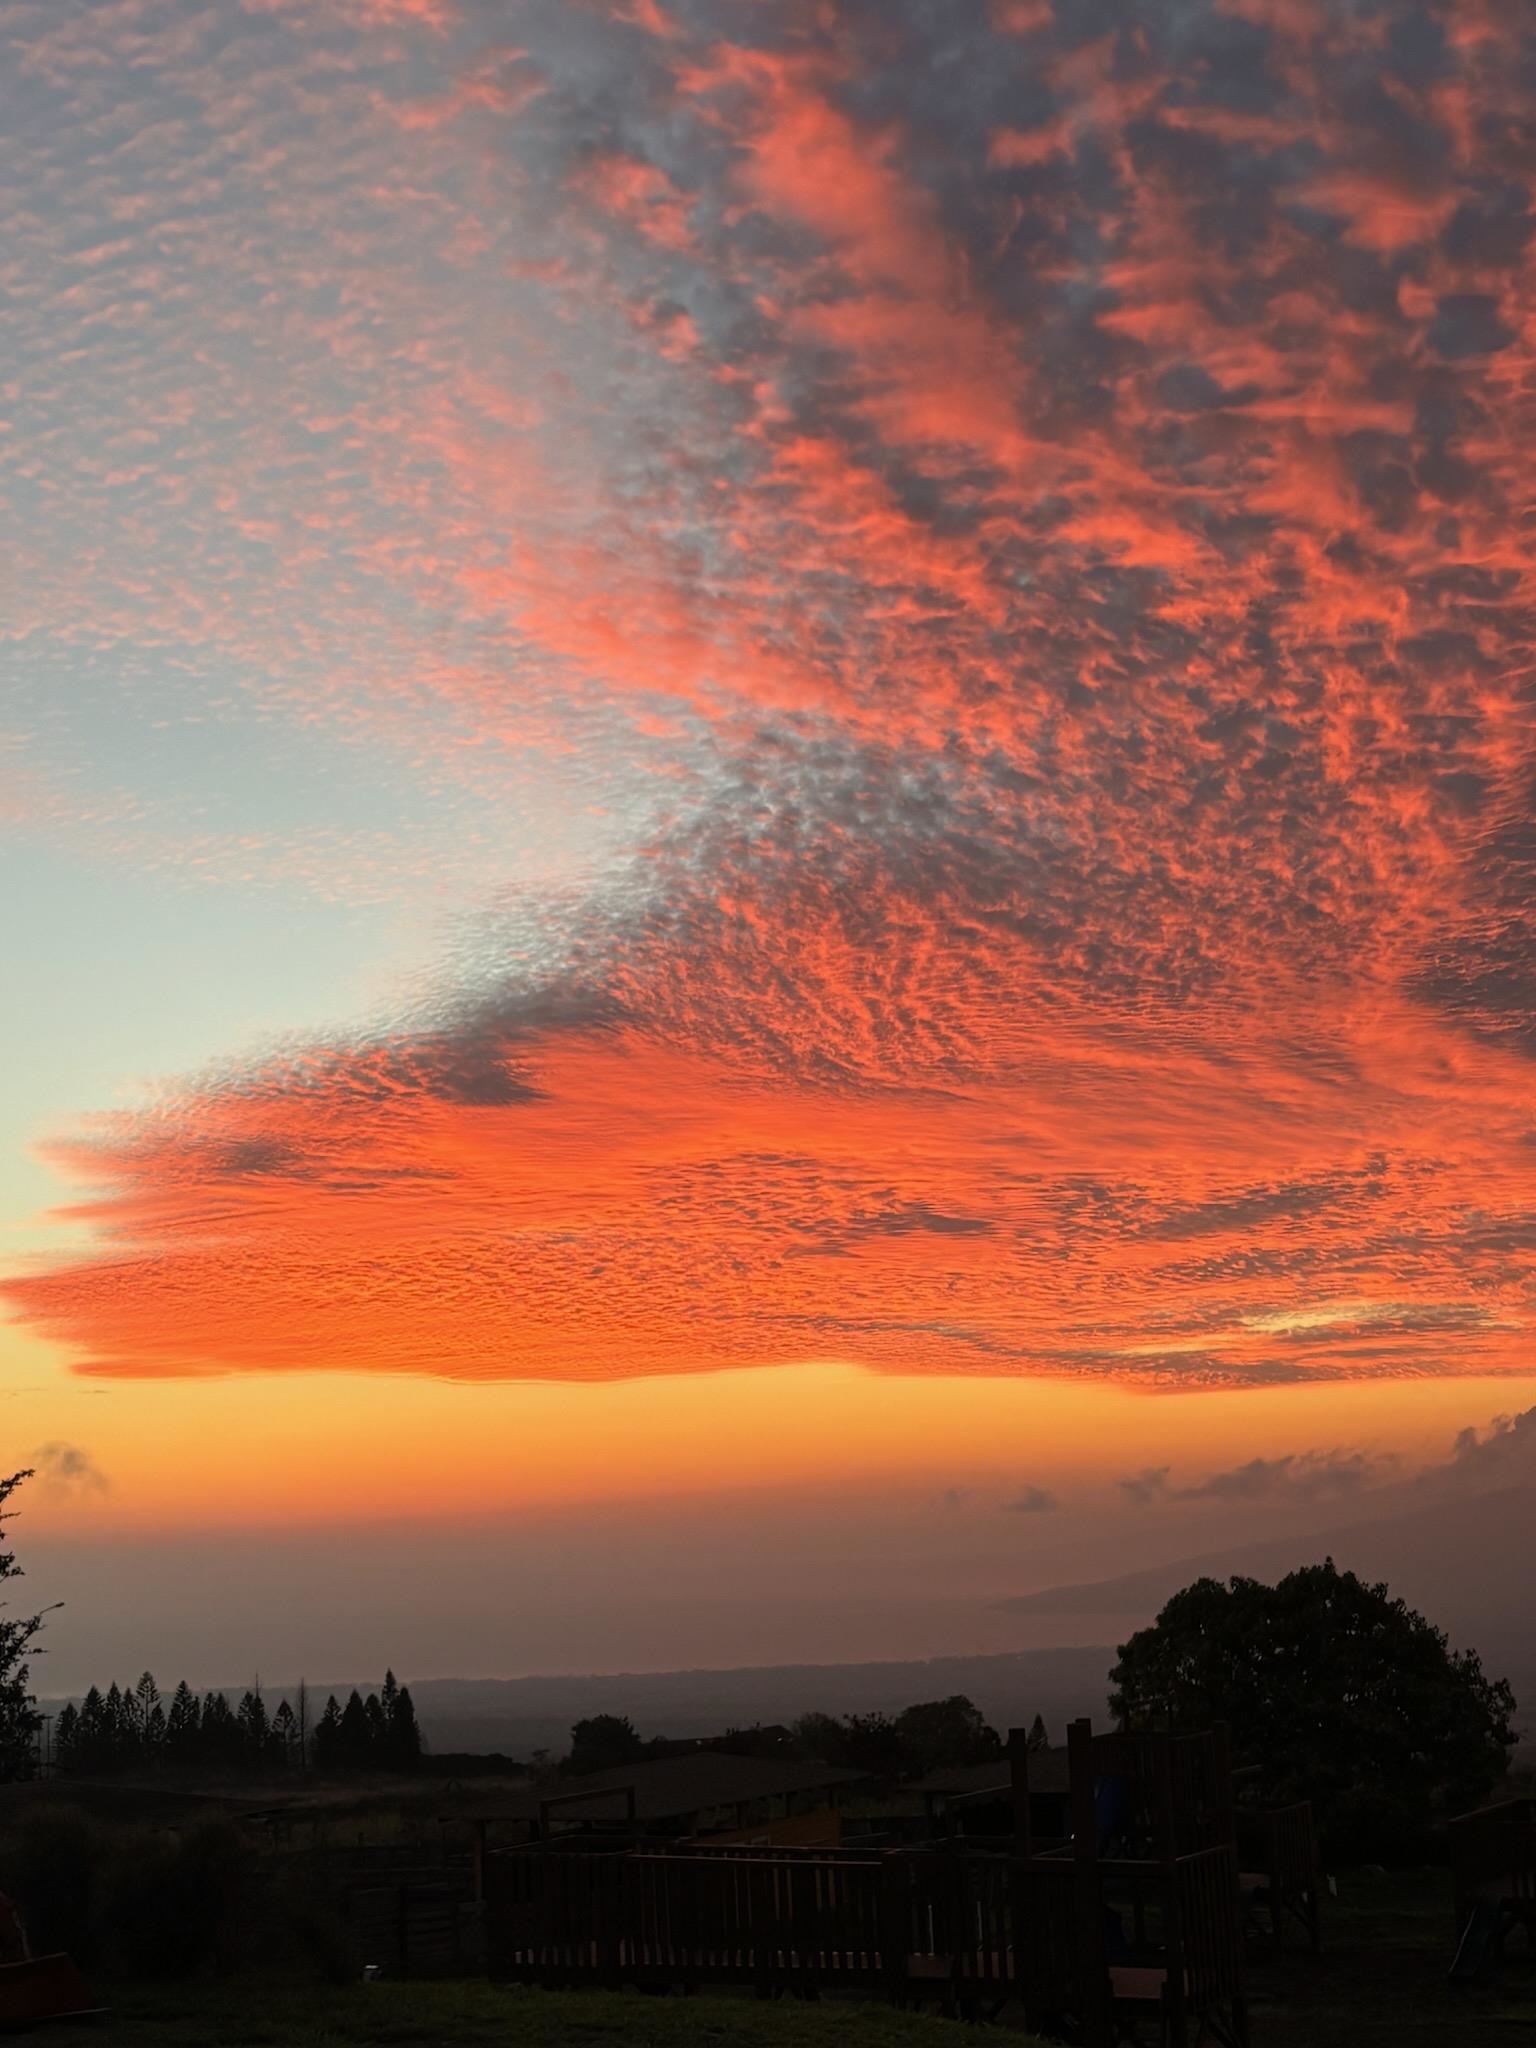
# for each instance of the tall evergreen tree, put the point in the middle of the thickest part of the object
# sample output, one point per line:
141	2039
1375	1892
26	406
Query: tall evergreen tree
19	1718
183	1725
327	1739
378	1731
354	1733
93	1733
119	1731
66	1737
221	1738
404	1733
146	1697
285	1735
252	1716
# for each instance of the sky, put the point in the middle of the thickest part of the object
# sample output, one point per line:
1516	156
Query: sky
767	780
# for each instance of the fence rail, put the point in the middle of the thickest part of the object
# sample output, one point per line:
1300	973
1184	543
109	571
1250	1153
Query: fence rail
973	1930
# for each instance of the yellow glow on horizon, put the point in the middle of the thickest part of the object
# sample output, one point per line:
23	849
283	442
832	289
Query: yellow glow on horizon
335	1449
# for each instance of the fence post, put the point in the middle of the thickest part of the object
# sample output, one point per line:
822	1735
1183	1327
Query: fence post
1018	1790
1093	1976
893	1926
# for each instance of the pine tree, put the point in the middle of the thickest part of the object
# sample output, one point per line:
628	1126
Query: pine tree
252	1717
144	1700
378	1732
19	1718
354	1733
327	1740
92	1738
118	1731
183	1725
404	1733
285	1734
66	1737
221	1736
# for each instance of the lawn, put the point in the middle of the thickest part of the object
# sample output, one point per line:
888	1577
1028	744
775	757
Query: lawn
1380	1983
259	2014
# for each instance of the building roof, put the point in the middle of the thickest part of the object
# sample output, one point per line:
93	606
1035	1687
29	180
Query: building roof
677	1787
1047	1773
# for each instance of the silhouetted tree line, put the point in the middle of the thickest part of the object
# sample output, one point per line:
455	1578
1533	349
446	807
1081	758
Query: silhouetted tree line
933	1735
135	1728
374	1734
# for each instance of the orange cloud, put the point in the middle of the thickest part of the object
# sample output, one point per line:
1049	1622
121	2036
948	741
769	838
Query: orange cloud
1032	553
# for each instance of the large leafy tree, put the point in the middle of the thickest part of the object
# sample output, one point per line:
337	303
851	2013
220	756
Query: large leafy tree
1333	1691
19	1718
602	1742
936	1734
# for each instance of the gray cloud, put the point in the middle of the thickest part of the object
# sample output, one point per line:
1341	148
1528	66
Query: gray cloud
1033	1500
68	1466
1298	1476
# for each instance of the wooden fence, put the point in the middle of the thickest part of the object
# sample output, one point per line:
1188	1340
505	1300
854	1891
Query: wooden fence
1077	1942
1281	1878
1137	1918
413	1930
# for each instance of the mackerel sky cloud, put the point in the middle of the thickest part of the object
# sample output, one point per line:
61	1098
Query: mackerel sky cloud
931	602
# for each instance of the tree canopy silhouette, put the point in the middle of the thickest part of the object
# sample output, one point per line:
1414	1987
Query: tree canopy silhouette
19	1718
602	1742
1333	1690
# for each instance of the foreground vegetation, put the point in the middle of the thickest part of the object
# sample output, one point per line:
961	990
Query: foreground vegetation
1380	1983
259	2014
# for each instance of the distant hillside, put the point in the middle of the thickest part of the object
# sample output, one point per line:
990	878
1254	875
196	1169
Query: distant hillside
519	1715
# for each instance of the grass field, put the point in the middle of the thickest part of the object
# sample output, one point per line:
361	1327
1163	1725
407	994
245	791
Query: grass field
1382	1979
1380	1983
263	2015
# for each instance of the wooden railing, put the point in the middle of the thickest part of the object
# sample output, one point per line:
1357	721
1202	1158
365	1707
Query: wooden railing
1174	1792
1073	1939
774	1922
1277	1848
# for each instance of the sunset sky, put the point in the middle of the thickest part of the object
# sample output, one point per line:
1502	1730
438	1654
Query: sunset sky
768	775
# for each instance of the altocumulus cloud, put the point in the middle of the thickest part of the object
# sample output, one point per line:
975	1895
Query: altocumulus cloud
995	546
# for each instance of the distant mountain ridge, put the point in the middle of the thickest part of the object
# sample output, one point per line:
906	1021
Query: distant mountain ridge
519	1715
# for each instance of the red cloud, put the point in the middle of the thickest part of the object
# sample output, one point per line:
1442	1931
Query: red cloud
1040	576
